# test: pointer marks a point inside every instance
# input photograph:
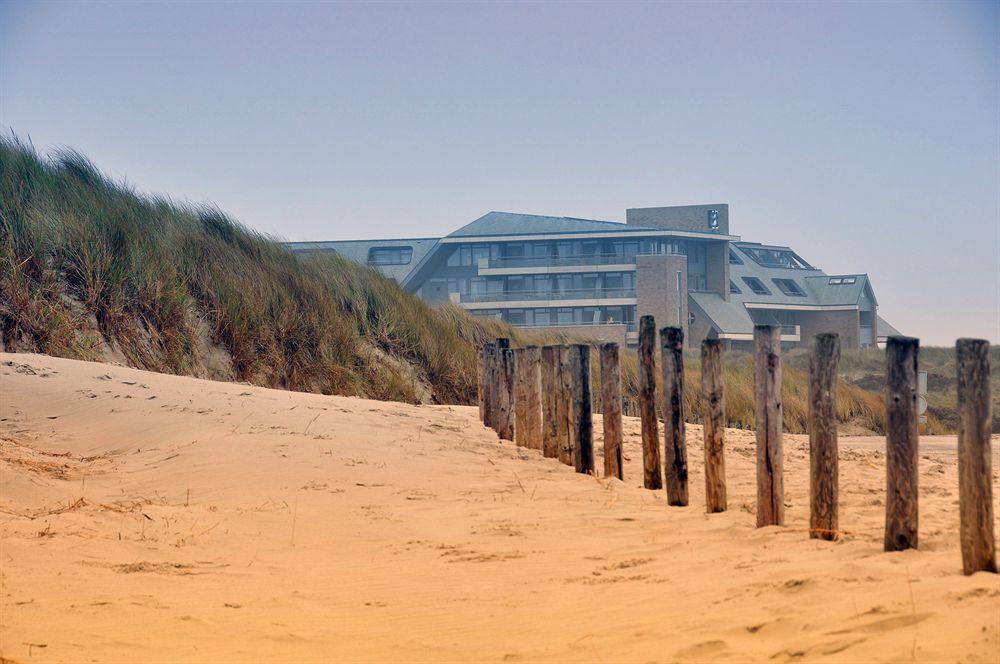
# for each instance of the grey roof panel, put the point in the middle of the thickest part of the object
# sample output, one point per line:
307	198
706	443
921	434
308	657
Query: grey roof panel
357	251
509	223
887	330
728	317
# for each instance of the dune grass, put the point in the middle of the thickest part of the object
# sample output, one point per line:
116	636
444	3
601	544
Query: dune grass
92	269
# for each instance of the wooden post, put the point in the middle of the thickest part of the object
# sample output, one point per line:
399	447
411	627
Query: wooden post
563	412
675	465
533	396
767	387
550	389
714	419
581	414
480	358
823	467
489	357
975	474
901	441
651	477
611	410
509	366
505	390
520	398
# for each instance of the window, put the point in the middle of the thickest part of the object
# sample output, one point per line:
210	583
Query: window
541	250
516	316
842	281
734	259
776	258
513	250
480	251
564	316
542	317
390	255
734	289
756	285
674	247
789	287
517	284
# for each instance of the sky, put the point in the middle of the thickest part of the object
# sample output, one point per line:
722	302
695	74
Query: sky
864	135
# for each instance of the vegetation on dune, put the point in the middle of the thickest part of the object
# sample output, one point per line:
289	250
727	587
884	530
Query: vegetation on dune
91	269
865	368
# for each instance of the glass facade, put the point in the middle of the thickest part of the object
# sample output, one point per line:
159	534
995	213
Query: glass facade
543	272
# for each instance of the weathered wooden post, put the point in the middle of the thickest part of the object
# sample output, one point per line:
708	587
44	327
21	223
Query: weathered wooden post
901	441
675	466
714	419
550	388
581	414
480	395
767	386
563	407
651	477
533	396
489	378
505	388
520	398
823	467
611	410
975	474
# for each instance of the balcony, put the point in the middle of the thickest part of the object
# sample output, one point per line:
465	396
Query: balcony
790	333
629	326
549	296
557	261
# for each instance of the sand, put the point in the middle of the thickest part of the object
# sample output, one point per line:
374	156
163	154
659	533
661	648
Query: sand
147	517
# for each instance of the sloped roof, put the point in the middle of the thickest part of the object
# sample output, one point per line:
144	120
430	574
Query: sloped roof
826	293
886	330
357	251
510	223
728	317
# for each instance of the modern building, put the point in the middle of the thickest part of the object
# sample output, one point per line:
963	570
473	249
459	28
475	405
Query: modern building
596	278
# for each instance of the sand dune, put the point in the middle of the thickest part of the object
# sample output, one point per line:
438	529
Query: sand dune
147	517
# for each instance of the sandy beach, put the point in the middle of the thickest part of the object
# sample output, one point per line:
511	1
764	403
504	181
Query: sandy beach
148	517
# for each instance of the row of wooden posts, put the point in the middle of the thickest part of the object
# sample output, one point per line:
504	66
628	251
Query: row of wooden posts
540	398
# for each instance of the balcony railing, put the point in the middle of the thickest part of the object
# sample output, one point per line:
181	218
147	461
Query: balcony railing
790	331
628	326
519	296
562	261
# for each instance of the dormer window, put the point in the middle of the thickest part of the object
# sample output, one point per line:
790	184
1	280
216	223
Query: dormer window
842	281
756	285
789	287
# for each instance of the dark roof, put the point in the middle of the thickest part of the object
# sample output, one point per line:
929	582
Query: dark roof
510	223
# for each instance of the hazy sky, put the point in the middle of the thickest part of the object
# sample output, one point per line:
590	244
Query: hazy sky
864	136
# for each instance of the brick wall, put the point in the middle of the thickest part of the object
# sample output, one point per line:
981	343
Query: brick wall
656	289
679	217
844	323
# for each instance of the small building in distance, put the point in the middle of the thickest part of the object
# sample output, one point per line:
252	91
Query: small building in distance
596	278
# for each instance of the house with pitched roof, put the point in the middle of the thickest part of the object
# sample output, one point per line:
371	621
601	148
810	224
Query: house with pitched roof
595	278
